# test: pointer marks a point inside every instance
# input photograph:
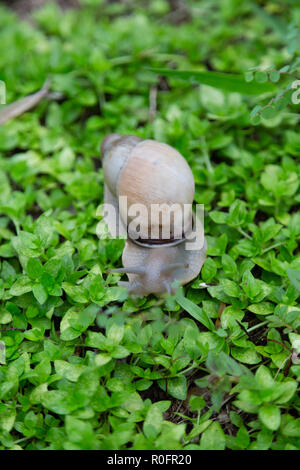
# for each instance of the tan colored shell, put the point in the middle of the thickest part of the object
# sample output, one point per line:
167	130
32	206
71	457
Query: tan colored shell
147	172
116	151
150	172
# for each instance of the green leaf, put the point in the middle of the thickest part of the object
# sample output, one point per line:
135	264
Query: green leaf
278	181
35	334
264	378
249	76
21	286
263	308
76	321
292	428
7	417
77	293
34	268
250	285
218	217
287	390
229	265
40	293
237	213
115	333
153	422
269	112
69	371
221	363
255	110
223	81
245	355
80	432
209	270
274	76
176	387
230	288
261	76
59	401
26	244
213	438
194	310
294	277
255	120
270	416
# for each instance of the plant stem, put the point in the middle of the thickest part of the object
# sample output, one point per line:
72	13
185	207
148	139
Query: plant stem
273	246
206	156
257	326
239	229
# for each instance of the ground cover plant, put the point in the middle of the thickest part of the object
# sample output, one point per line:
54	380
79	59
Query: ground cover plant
82	364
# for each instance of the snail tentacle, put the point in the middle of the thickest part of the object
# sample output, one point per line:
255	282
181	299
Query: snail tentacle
167	286
133	270
172	266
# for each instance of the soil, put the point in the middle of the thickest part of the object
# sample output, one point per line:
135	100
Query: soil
25	7
179	12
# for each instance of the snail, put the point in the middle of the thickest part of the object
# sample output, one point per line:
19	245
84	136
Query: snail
151	174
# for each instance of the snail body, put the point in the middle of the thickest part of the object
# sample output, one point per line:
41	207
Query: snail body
152	174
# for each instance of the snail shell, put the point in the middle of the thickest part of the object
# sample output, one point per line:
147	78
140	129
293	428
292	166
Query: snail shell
148	173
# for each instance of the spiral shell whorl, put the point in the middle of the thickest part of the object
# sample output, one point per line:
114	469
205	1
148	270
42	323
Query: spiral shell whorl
116	150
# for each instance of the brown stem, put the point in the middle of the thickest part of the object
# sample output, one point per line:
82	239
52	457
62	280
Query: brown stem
221	310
